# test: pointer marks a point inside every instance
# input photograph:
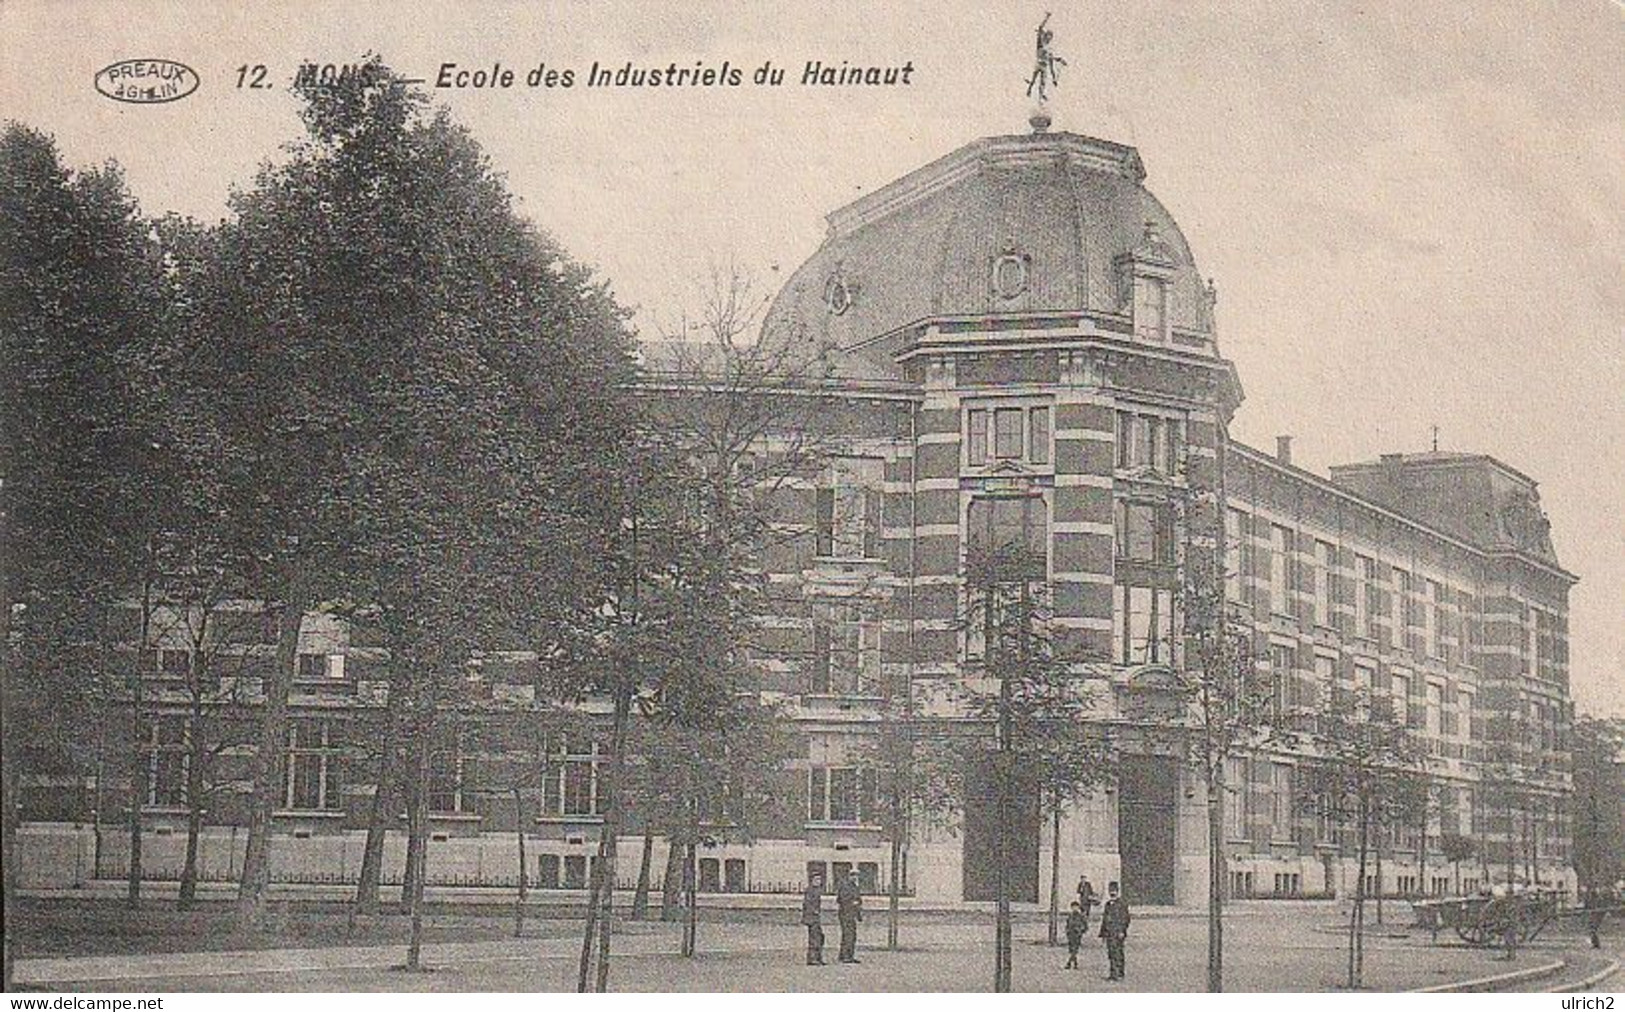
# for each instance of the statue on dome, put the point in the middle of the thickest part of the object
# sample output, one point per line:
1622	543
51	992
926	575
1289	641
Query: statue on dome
1044	66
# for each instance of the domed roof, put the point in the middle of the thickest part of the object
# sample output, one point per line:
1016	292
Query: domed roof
1032	226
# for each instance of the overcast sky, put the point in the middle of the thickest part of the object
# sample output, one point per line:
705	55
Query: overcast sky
1415	212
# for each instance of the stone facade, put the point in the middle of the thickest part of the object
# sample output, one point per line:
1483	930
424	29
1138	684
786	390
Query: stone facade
1023	344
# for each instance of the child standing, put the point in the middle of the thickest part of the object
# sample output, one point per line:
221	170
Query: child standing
1076	924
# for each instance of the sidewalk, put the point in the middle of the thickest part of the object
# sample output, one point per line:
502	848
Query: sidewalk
1264	953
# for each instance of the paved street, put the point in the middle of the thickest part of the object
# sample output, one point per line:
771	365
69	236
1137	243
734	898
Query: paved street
1270	947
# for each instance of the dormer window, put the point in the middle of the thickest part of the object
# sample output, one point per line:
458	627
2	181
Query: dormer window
1151	308
1144	274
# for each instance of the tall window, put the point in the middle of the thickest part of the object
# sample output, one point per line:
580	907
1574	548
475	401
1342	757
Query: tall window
1430	618
1015	531
1364	576
1283	694
849	509
315	750
846	651
166	762
1400	696
1280	545
1365	678
1145	625
446	795
1404	604
1233	526
570	787
1325	676
845	794
1144	531
1281	801
1007	433
1325	573
1235	777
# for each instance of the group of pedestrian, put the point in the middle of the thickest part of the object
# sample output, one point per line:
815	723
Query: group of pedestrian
848	911
1114	919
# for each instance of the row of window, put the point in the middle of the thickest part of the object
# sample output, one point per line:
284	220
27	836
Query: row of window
570	783
1425	615
1148	440
318	752
1007	433
1261	806
574	871
1441	709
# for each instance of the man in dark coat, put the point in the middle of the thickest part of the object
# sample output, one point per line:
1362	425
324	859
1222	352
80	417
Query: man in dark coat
1114	920
812	915
849	908
1086	898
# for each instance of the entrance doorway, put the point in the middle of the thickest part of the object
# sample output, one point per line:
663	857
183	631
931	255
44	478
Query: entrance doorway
1147	807
981	835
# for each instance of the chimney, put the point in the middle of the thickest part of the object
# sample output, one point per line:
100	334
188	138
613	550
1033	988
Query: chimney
1283	449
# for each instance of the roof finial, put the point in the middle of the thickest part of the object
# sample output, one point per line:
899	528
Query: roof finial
1044	74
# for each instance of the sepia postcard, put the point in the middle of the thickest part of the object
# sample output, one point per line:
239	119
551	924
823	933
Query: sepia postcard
808	497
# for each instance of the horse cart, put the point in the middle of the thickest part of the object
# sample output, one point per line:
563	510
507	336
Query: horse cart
1491	920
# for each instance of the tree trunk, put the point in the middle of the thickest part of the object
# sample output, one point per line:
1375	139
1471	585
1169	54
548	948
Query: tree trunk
414	840
640	898
138	798
1215	879
894	889
1379	876
9	815
196	752
1356	968
372	851
1001	835
519	833
269	762
418	822
138	732
691	888
609	836
380	816
1422	849
595	936
1055	873
671	883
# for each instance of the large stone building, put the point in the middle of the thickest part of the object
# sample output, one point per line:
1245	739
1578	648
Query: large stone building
1024	348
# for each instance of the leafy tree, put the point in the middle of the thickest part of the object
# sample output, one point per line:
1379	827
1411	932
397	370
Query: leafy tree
723	424
75	300
1031	702
1229	704
1360	771
420	399
1597	745
1456	849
